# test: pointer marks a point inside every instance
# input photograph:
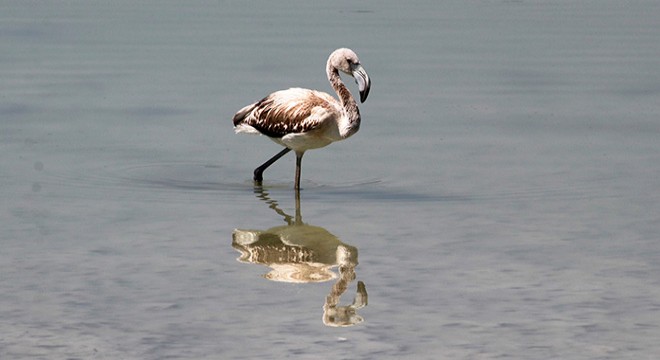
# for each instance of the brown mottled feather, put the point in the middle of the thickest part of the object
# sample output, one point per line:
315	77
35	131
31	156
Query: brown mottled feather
288	111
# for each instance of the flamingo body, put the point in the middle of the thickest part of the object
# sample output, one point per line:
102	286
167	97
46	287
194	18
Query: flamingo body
299	119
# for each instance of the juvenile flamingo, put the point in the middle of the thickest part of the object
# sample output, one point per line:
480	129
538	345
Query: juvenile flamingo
303	119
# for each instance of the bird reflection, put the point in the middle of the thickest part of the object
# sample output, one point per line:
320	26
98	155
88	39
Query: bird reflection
301	253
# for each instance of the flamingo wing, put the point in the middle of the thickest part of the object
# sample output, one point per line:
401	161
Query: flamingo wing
285	112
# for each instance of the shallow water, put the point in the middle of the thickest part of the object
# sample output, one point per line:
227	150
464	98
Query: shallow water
500	200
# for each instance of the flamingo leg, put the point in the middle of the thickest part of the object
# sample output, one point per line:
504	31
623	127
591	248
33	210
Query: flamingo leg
299	156
258	172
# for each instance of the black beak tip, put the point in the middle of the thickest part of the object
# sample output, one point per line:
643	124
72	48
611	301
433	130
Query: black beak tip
363	95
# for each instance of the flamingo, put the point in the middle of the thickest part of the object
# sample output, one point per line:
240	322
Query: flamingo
303	119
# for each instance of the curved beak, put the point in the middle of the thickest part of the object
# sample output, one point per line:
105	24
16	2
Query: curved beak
362	80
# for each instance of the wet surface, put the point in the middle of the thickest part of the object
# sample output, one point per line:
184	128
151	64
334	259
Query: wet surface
500	200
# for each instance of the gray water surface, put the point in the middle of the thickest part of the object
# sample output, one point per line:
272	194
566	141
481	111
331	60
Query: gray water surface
501	199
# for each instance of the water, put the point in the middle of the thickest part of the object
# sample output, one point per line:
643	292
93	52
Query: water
500	200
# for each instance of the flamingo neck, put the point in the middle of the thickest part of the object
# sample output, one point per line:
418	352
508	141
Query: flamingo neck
347	102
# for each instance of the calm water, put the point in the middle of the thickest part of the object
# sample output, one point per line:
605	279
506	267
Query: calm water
502	198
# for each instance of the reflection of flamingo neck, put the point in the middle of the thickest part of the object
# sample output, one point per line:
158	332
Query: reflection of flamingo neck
346	275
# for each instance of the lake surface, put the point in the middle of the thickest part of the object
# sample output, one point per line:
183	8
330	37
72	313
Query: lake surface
501	200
